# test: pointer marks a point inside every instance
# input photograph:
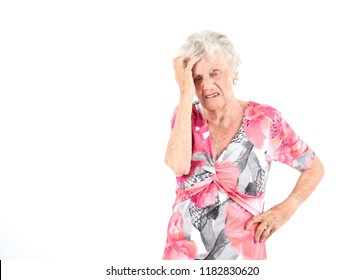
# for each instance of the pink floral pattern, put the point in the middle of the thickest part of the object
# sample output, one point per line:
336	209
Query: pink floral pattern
177	247
216	199
266	128
226	172
242	240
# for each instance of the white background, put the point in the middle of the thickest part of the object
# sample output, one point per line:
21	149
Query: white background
87	91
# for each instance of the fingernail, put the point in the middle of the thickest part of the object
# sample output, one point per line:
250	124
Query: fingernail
255	241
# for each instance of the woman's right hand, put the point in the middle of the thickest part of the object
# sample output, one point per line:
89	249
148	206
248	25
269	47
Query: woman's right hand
183	72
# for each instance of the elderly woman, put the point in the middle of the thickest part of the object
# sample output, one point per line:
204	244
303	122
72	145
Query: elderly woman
221	149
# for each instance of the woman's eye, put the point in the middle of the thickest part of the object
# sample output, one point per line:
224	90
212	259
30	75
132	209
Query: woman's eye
197	80
215	73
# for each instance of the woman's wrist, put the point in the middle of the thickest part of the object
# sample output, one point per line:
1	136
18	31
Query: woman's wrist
186	97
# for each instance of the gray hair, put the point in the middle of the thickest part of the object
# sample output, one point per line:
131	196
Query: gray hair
204	43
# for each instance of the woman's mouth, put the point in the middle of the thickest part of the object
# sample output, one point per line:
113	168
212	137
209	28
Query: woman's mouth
212	95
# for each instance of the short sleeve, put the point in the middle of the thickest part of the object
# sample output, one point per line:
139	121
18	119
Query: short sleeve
268	130
285	146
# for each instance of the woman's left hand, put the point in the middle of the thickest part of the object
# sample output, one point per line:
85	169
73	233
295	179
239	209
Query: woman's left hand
270	221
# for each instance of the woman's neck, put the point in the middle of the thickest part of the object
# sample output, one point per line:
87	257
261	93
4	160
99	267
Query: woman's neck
226	115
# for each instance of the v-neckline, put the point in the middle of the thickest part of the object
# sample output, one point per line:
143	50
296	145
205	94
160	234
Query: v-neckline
208	139
219	159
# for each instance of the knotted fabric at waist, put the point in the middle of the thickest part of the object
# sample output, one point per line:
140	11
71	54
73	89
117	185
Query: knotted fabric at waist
225	179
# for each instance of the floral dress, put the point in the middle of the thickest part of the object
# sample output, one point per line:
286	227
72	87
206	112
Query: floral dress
216	199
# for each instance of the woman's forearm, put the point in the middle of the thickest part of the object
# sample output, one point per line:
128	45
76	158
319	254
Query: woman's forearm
305	185
279	214
179	149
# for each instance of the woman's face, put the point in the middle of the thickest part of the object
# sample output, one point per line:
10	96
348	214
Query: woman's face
213	78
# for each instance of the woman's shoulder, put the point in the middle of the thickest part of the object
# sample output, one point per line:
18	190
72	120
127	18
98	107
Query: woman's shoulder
257	105
255	110
258	122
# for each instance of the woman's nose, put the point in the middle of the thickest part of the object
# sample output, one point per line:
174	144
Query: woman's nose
207	83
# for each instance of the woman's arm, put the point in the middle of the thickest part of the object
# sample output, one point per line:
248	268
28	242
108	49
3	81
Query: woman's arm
278	215
179	149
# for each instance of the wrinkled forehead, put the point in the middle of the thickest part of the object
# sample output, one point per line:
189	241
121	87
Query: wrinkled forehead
210	62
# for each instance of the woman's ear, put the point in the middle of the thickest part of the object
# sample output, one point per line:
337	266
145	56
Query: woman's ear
236	74
235	77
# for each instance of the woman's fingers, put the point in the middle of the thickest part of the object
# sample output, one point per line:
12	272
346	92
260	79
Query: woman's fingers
189	62
267	223
183	71
264	226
